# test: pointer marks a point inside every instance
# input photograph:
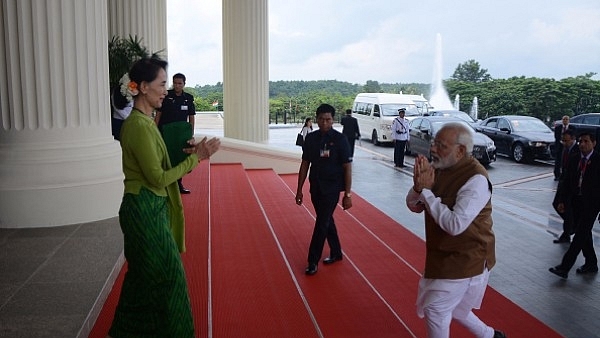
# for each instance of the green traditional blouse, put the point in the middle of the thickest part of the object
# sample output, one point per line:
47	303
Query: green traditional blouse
146	163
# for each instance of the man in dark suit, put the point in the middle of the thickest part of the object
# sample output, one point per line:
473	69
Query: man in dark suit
581	186
570	153
350	129
558	148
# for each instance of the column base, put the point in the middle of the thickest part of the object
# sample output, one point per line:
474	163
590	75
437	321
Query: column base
59	185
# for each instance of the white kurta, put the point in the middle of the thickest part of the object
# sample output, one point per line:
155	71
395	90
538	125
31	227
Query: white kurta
440	300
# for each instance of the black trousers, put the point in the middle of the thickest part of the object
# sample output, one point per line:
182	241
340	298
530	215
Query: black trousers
399	147
116	125
325	228
583	240
567	216
351	142
558	150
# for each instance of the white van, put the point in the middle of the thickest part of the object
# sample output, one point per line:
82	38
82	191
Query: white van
422	104
375	113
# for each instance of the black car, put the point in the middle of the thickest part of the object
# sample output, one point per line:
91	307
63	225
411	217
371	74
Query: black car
452	113
589	123
585	123
589	119
423	130
523	138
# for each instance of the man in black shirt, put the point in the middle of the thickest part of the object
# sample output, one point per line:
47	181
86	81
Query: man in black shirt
327	153
178	106
350	129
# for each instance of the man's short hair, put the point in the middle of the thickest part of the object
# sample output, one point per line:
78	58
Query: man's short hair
348	111
569	132
584	133
179	76
326	108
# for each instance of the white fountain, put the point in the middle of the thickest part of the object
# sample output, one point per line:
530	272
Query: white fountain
474	109
439	96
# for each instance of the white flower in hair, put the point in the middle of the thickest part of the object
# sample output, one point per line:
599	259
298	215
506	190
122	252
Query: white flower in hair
129	88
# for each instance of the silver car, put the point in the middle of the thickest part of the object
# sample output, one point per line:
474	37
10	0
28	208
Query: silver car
423	130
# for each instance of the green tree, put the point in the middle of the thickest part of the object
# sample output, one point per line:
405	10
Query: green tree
470	71
372	87
122	53
546	99
466	90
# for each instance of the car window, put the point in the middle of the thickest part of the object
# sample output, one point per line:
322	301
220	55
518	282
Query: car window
437	125
592	119
362	108
502	123
529	125
392	109
491	123
414	124
425	125
454	113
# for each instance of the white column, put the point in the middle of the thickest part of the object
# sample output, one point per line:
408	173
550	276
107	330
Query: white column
58	161
246	69
146	19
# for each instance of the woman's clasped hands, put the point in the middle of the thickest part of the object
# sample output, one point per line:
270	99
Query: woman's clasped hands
204	149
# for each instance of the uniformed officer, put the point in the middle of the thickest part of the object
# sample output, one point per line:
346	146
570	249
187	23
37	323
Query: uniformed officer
178	106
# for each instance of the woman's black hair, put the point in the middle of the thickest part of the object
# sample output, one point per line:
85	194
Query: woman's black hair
146	69
118	100
306	121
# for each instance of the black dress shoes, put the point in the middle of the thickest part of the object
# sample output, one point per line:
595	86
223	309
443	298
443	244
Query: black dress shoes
311	269
499	334
587	269
332	259
559	271
184	191
562	239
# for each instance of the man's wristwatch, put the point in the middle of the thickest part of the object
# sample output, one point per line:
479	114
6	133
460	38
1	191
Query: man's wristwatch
347	194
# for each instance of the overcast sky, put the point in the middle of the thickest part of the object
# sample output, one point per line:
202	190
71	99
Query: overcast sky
393	41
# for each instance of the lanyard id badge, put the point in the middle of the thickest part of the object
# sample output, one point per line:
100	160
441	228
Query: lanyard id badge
324	152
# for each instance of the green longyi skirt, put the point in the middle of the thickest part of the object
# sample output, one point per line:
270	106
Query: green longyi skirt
154	300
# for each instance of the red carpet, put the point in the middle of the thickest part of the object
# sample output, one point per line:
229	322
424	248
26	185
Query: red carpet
246	258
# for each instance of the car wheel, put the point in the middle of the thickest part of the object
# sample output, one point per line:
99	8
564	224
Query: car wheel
518	153
374	138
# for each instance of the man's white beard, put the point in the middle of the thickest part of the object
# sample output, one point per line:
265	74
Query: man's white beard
444	163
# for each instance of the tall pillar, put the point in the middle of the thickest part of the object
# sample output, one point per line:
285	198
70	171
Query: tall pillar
146	19
246	69
58	161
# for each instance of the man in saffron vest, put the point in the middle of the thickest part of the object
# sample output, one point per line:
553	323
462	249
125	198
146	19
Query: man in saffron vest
455	192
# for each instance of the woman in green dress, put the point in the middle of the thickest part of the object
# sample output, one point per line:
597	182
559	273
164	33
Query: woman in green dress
154	300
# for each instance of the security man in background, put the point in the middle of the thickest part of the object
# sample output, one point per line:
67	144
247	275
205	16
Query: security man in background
350	129
178	106
400	135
